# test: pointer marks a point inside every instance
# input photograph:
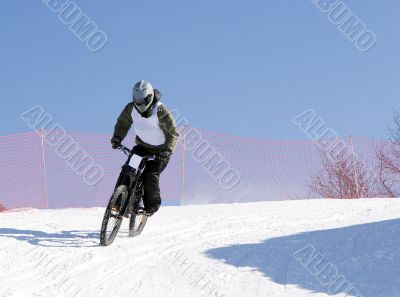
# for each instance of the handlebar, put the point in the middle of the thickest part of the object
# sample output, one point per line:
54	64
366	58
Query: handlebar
124	149
128	152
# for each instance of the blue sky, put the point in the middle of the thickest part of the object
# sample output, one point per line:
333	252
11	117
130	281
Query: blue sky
237	67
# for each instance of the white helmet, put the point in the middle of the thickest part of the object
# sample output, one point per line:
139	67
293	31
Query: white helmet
142	95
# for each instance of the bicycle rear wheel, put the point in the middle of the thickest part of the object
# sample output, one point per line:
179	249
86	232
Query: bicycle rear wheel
137	222
112	219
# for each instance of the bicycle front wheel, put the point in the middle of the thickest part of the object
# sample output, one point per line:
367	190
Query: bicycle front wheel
112	219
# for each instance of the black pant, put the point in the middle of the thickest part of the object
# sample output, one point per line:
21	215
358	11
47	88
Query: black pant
151	179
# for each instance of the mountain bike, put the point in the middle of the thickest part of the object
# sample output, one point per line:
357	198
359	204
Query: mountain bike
126	201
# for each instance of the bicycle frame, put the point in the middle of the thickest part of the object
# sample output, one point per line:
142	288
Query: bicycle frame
129	176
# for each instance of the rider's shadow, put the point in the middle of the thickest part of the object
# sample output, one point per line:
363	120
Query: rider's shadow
65	238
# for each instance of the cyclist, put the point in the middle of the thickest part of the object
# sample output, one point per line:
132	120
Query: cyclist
156	134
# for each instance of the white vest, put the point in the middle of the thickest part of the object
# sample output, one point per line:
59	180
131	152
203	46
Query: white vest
148	129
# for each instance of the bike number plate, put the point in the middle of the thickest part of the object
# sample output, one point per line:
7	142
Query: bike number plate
135	161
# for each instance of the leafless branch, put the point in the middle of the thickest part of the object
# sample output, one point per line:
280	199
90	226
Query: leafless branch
342	177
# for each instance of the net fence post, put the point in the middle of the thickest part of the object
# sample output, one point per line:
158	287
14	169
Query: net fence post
183	165
42	134
354	167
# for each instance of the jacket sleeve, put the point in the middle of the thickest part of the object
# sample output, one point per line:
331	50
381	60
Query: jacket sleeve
168	126
124	122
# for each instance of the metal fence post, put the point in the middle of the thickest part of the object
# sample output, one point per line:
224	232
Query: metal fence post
42	134
354	167
183	165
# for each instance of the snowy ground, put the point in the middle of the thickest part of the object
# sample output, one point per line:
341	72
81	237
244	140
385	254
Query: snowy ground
290	248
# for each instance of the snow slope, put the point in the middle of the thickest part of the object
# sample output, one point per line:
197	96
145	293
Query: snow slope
254	249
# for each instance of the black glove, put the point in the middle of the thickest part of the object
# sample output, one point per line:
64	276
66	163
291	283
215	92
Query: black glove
164	155
116	142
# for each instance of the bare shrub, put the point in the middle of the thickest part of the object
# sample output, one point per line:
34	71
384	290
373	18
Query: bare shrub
389	161
343	177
